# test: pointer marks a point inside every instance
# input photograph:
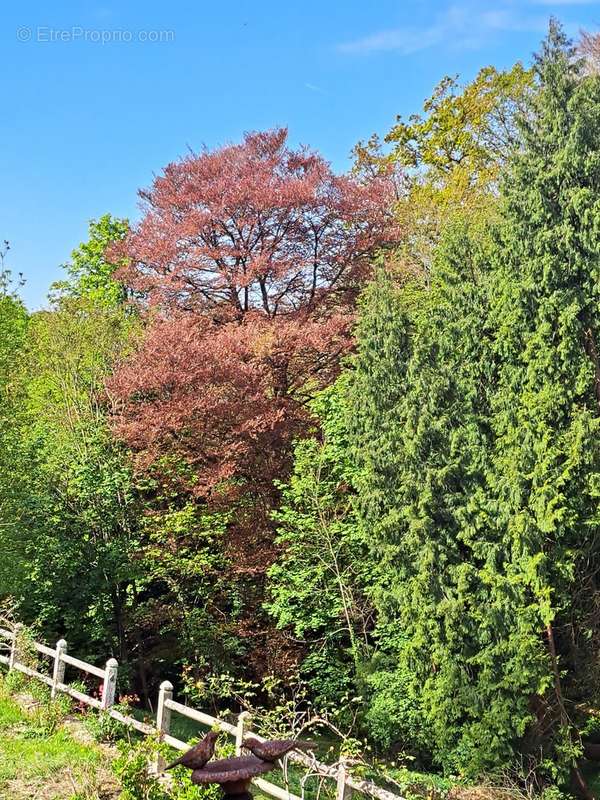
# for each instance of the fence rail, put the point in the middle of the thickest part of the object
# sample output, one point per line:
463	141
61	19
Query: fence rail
166	706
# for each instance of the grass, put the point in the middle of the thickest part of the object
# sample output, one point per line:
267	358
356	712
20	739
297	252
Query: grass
37	761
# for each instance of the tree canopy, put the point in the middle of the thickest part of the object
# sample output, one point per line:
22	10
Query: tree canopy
327	444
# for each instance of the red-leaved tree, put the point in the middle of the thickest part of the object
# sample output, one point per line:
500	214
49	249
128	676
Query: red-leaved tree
246	266
248	260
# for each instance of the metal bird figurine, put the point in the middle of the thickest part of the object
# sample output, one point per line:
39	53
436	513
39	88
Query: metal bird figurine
276	748
200	754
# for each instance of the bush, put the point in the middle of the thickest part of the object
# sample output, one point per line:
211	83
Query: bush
105	728
13	682
131	769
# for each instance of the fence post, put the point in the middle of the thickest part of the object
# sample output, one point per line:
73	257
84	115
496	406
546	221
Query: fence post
343	791
110	683
163	714
163	719
58	673
244	722
14	644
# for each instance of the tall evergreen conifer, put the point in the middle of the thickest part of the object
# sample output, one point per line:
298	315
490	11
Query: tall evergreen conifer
479	478
423	453
546	408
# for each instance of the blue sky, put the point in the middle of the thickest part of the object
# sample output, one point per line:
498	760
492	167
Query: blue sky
84	123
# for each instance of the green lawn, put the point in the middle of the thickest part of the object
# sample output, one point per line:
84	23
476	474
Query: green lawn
41	762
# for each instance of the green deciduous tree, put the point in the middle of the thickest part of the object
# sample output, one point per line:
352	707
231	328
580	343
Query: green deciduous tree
90	270
79	508
318	586
13	330
448	160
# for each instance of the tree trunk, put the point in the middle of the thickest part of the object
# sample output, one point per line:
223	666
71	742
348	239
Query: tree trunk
578	781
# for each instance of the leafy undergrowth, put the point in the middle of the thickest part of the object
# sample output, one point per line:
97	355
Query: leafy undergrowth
44	755
40	759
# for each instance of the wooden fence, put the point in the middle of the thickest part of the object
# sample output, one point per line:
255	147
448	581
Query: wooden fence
166	706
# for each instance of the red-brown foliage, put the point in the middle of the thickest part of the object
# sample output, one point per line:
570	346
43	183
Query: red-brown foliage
248	259
226	396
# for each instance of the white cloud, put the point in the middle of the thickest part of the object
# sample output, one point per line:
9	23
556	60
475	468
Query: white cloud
462	26
407	40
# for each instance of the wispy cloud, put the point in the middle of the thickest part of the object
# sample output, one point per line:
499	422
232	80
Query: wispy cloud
460	26
566	3
311	87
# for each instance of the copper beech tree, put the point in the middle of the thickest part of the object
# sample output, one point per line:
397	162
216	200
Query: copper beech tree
247	263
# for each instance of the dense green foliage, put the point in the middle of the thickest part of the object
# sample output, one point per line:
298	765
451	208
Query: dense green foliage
75	513
448	161
13	328
545	409
318	587
93	547
429	573
475	409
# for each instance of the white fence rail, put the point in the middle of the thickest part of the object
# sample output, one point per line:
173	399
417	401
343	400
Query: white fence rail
107	674
107	677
